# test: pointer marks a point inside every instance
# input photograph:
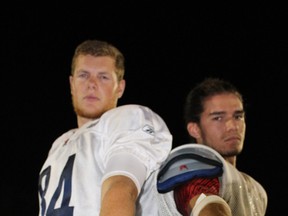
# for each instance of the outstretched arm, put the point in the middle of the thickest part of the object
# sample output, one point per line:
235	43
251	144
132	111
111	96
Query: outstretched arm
119	194
199	197
209	205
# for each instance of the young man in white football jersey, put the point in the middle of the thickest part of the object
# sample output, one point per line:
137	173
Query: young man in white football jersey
200	178
106	166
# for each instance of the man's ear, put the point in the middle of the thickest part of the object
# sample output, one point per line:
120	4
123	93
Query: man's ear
71	83
193	130
121	88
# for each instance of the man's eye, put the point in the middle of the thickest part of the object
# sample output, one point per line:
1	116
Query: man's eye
83	75
217	118
239	116
104	77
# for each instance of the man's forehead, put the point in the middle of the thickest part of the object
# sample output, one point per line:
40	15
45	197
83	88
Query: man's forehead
223	102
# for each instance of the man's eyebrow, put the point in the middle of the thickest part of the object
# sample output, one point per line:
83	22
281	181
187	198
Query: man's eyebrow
216	113
81	71
103	72
239	111
223	112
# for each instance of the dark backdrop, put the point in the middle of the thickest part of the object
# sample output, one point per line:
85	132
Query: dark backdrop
168	49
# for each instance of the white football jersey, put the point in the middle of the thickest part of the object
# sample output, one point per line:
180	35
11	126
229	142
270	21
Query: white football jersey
244	195
128	140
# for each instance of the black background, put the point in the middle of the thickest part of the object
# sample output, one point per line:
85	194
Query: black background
169	47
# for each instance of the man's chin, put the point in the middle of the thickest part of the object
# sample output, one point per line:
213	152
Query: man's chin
89	114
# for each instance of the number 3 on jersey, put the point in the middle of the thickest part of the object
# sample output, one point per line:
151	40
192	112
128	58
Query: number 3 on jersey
63	185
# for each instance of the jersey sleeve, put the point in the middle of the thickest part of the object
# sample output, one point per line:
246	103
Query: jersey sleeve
181	174
137	142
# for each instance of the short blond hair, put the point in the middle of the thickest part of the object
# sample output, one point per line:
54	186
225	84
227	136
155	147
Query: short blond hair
100	48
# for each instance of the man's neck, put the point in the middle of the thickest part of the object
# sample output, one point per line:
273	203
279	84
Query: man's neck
231	160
